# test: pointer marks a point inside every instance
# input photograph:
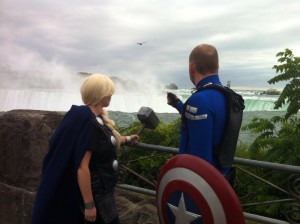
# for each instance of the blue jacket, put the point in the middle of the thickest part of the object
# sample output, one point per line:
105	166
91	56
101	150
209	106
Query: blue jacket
205	114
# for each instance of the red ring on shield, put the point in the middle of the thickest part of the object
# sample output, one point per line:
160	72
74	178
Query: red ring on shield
213	196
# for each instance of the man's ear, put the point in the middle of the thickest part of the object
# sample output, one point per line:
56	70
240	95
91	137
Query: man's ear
191	68
192	73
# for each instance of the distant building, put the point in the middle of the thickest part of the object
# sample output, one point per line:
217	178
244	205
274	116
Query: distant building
228	84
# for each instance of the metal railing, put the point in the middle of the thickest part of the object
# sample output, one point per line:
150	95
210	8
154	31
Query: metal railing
293	193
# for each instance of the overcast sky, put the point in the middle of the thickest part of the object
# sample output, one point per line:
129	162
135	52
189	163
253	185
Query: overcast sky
100	36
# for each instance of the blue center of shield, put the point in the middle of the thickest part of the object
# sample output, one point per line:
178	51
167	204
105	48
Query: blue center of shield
181	208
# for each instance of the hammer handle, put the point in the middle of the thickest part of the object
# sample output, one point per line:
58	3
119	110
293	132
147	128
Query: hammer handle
141	129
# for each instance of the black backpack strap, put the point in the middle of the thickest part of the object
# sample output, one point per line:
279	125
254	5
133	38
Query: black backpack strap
225	151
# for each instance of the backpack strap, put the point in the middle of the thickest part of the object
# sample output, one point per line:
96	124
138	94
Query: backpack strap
225	151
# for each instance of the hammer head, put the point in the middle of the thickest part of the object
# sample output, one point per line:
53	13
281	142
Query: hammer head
147	116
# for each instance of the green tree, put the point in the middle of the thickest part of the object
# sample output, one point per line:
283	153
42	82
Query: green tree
278	137
289	70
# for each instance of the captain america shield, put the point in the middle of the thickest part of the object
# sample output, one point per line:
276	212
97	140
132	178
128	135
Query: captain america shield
190	190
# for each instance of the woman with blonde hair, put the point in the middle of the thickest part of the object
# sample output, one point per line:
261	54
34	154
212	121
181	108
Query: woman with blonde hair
80	170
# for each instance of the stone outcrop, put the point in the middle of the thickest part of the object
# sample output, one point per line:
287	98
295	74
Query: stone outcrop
135	208
24	136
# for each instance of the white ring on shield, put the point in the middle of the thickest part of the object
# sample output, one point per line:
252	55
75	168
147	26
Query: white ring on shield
200	184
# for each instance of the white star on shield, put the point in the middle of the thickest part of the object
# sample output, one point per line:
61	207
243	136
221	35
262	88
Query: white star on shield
182	216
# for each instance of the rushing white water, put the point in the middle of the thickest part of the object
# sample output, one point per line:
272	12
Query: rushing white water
61	100
58	89
56	93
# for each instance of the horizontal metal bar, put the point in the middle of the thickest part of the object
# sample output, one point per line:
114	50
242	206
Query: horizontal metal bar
242	161
137	189
270	202
269	165
156	147
262	219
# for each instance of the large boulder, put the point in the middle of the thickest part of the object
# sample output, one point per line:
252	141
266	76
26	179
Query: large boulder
24	137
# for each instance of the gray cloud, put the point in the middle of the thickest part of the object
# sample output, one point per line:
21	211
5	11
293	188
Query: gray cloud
101	36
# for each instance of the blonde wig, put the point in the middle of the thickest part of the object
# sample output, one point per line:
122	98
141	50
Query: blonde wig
93	89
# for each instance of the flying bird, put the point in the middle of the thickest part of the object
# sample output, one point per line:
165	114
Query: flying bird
141	43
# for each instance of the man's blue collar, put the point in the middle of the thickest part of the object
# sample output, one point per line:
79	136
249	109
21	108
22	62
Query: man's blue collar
209	79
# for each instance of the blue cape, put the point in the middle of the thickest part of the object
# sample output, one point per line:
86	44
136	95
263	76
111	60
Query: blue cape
58	197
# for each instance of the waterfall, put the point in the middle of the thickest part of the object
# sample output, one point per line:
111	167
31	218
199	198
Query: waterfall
61	100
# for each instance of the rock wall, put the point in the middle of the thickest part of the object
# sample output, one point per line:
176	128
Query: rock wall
24	136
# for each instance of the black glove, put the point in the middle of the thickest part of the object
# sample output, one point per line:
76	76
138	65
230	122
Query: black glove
172	99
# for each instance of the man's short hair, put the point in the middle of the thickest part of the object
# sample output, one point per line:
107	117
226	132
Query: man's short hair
205	58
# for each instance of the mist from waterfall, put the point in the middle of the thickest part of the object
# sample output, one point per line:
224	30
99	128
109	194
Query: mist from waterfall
29	81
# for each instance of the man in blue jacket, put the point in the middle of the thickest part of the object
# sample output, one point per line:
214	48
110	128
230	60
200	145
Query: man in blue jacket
205	112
